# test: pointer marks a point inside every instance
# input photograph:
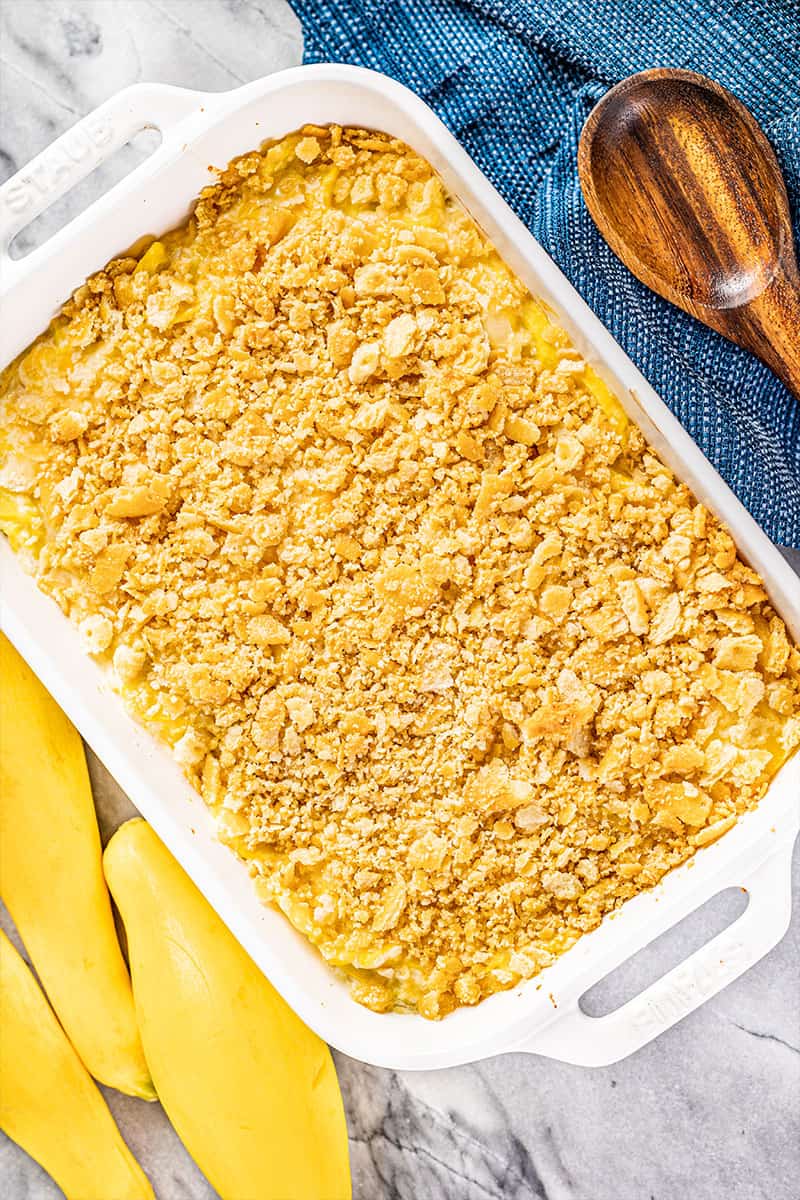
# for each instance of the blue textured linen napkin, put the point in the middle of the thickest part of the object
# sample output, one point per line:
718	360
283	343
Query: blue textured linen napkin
515	83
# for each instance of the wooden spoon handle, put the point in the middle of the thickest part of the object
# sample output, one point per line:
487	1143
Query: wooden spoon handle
771	328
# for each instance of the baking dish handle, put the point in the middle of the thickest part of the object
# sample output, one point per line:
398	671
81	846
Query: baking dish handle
574	1037
85	146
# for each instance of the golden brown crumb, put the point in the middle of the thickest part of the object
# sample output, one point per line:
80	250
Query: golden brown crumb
455	660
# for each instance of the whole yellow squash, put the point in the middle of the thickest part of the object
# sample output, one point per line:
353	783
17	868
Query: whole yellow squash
48	1102
51	878
251	1091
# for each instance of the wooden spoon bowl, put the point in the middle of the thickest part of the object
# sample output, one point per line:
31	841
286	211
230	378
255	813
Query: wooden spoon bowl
686	190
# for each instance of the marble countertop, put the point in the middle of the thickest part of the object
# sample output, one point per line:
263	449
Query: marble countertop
711	1110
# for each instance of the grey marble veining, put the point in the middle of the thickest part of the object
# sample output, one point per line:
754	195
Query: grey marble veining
710	1111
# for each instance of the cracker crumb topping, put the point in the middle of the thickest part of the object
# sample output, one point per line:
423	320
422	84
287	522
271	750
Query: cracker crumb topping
456	661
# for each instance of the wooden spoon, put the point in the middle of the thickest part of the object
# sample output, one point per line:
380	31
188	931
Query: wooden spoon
686	189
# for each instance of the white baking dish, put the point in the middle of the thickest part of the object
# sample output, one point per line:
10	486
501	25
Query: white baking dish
542	1016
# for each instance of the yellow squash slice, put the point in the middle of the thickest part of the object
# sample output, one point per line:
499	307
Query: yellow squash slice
250	1089
48	1102
51	878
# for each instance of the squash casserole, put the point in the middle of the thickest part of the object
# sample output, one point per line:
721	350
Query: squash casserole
455	660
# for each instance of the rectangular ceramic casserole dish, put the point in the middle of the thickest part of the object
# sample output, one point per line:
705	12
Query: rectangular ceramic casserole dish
543	1015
